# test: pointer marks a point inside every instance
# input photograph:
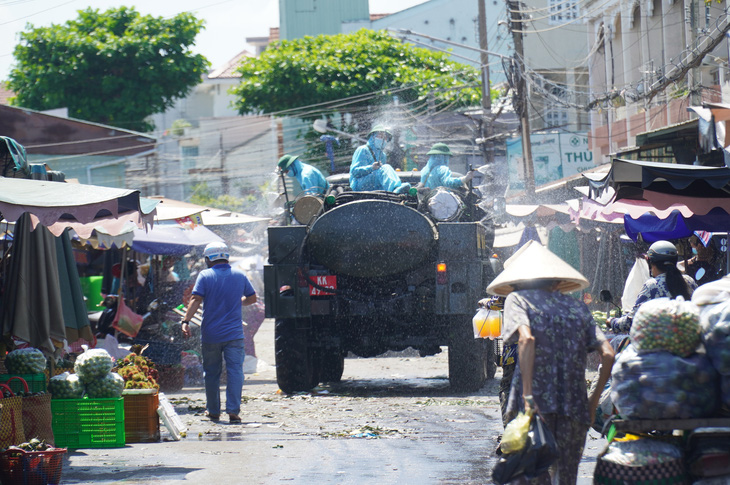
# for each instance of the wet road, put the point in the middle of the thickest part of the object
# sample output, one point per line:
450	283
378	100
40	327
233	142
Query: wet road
391	420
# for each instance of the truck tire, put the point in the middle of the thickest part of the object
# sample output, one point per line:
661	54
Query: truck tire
331	365
467	356
295	369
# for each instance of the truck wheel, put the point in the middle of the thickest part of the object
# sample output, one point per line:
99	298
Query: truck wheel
331	365
295	370
467	357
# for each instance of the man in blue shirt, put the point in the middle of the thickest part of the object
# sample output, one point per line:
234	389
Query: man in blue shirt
224	292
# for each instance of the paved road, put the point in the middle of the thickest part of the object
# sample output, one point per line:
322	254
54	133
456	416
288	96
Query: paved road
392	420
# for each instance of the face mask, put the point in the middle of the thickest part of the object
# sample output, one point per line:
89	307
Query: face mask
379	143
694	251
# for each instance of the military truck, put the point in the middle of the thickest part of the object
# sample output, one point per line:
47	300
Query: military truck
371	272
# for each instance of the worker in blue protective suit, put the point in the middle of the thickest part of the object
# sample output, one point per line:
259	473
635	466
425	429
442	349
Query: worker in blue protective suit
437	173
311	179
370	169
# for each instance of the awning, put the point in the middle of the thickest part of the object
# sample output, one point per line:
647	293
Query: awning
630	178
59	205
170	210
172	239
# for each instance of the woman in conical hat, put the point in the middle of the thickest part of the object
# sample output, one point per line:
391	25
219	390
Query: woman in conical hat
554	332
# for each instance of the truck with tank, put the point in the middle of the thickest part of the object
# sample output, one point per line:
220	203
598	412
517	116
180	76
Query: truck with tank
364	273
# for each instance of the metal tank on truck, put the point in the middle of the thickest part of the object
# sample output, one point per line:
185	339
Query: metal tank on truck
371	272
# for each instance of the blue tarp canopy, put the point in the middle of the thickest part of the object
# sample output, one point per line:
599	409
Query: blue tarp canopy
172	239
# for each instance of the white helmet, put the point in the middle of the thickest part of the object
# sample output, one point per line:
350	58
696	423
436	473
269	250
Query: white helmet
215	251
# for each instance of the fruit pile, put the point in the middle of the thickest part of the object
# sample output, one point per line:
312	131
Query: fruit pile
66	386
661	385
138	372
25	361
33	445
669	325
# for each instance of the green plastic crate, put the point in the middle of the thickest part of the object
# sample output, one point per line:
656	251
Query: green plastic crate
36	382
88	423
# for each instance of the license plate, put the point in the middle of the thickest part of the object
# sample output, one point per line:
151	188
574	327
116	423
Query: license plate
324	281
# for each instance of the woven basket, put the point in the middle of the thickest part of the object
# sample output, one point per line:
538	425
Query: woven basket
672	472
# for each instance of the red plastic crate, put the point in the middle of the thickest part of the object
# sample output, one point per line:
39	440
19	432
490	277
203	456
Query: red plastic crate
88	423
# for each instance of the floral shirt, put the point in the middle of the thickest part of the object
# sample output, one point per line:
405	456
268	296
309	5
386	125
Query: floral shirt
564	333
652	289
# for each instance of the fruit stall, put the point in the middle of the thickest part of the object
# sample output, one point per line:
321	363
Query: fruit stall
667	405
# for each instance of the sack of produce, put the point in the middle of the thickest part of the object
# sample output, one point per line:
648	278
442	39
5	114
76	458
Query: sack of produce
111	385
661	385
715	324
640	461
66	386
92	364
664	324
25	361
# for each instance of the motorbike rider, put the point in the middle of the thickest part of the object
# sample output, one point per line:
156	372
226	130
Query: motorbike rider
310	178
666	281
370	170
437	173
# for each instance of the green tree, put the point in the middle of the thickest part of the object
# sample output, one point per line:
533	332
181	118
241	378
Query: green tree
327	68
116	67
359	73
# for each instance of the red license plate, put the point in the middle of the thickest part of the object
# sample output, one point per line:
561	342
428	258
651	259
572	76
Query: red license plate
325	282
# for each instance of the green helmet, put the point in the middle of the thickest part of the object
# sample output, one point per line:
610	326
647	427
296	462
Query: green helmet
286	160
381	129
439	149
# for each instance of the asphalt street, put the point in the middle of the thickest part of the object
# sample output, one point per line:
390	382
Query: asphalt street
392	420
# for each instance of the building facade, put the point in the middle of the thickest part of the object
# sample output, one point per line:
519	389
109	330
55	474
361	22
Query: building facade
640	61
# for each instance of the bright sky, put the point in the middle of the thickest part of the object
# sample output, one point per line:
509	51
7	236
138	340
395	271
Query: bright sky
228	22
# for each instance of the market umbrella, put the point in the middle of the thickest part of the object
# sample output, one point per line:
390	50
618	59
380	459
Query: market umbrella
75	316
172	239
32	300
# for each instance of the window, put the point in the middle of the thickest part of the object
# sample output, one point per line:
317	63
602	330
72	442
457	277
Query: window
555	117
562	11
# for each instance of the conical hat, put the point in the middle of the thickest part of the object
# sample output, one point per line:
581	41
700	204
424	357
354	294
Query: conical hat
533	262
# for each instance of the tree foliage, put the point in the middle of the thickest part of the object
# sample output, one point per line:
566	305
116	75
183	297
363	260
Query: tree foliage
369	64
116	67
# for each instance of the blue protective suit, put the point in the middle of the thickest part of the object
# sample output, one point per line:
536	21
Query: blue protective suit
362	175
437	173
311	179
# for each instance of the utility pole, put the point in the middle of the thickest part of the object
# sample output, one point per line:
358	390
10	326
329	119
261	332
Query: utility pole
694	73
521	108
224	176
486	122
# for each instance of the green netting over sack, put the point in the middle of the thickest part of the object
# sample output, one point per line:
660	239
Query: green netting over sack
661	385
25	361
110	385
66	386
664	324
92	364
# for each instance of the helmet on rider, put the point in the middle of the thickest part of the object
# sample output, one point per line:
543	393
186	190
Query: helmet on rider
216	251
662	252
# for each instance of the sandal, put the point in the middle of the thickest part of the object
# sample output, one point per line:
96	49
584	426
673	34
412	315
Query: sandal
234	418
212	417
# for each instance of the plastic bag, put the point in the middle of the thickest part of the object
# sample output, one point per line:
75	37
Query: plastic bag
642	452
661	385
634	283
126	321
514	437
664	324
532	461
